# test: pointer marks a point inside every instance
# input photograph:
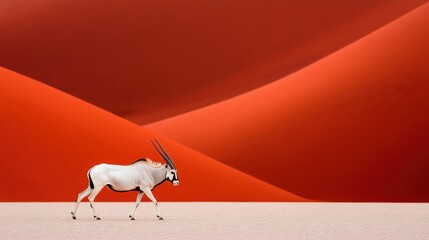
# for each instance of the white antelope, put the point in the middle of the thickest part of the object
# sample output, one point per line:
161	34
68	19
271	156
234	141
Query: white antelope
143	176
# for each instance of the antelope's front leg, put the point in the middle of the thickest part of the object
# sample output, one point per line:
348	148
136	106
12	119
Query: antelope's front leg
139	198
149	194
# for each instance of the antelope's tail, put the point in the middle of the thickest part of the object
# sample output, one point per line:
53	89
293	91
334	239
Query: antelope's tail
91	184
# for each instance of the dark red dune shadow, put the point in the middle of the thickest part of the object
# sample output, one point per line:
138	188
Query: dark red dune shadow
148	60
49	140
351	127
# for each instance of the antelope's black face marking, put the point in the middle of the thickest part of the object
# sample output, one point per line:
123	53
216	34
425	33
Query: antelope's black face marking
172	176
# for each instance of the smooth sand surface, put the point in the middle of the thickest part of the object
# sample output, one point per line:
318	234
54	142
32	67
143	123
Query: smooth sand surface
217	221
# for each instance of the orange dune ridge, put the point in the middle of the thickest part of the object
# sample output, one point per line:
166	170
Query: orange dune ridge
49	140
148	60
350	127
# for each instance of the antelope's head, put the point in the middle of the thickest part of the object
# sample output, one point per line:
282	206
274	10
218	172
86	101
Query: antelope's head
171	168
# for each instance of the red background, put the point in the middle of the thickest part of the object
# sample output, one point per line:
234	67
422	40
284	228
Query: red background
254	100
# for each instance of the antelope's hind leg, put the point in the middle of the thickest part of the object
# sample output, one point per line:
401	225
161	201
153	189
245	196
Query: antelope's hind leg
80	196
91	198
139	198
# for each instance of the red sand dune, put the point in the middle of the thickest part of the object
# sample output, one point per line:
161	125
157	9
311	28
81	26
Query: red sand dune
353	126
50	139
147	60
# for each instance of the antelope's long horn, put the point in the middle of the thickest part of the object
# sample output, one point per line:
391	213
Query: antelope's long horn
164	154
159	151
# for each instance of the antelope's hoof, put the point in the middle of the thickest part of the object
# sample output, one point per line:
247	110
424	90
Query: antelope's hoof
97	218
74	217
132	218
160	218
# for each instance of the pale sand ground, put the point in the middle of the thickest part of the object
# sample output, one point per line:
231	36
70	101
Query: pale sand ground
217	221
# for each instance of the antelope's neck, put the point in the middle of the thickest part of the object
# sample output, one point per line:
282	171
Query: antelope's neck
159	175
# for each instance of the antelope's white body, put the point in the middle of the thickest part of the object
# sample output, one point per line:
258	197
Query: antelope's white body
143	176
139	175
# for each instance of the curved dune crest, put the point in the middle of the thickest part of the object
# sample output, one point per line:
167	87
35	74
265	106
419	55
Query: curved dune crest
148	60
350	127
49	140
